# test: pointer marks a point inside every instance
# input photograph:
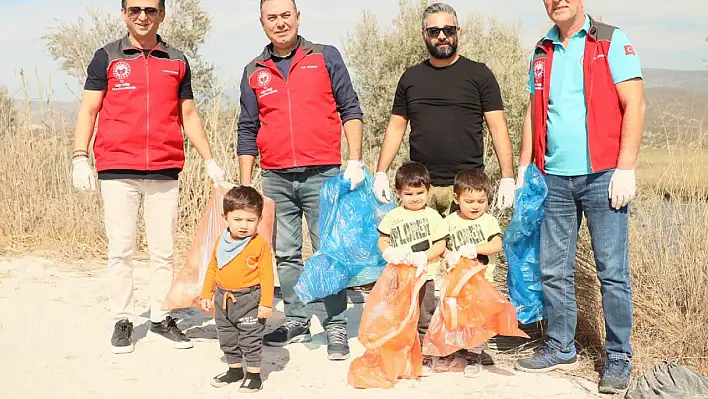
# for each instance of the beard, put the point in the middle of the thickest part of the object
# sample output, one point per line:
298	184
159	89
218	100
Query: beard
442	52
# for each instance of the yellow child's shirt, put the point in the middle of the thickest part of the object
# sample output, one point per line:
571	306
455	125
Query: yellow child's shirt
414	230
463	231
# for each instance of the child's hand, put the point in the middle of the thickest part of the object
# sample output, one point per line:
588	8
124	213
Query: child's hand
207	303
468	251
419	260
451	258
395	256
264	312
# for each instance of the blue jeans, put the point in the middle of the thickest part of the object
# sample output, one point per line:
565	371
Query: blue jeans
295	194
569	197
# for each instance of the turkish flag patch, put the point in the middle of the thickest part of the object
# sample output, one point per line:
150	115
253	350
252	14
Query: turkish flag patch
629	50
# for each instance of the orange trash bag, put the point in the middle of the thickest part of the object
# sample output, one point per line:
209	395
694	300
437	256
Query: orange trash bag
470	311
187	286
389	331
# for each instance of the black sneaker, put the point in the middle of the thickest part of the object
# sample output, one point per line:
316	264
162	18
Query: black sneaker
168	330
122	339
547	359
228	377
337	345
290	332
615	377
252	383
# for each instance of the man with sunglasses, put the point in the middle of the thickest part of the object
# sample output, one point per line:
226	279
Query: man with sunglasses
296	98
446	98
139	89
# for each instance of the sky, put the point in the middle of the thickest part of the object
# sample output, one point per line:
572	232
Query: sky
665	34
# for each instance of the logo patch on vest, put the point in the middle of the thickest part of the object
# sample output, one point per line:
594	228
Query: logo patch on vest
121	70
539	68
263	78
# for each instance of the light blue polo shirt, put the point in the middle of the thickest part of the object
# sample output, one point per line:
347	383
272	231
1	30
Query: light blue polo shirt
567	151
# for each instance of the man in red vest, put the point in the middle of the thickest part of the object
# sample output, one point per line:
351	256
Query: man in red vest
139	88
296	97
583	131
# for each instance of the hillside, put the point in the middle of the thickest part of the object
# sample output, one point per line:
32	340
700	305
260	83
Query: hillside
675	117
684	80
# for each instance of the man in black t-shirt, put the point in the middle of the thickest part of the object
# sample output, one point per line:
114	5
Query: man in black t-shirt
446	99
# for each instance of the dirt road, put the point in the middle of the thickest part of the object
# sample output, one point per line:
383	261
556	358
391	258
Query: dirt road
55	331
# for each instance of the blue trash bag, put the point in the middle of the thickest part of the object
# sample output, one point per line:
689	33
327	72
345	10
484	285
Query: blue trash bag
522	242
348	255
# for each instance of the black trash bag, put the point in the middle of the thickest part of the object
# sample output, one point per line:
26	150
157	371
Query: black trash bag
669	380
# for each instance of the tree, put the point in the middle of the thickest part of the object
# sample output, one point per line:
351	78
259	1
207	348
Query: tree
8	112
377	60
185	28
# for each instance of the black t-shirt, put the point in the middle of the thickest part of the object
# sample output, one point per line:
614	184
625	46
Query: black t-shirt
445	107
97	79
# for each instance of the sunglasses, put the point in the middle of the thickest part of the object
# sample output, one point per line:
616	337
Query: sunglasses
448	30
134	12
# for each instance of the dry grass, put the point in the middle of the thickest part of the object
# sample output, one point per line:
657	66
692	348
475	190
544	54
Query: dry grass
674	172
40	210
668	257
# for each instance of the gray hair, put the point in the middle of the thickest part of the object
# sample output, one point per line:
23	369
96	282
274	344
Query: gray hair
438	8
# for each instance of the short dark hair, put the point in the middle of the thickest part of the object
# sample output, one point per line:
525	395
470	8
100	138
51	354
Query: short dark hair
412	174
243	198
471	180
123	3
263	1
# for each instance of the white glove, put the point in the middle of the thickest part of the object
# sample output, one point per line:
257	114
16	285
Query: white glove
505	193
354	173
395	256
419	260
215	172
468	251
623	187
82	175
451	258
382	188
520	176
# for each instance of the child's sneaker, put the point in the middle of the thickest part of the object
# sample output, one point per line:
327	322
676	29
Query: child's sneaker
427	366
290	332
474	365
228	377
122	339
252	383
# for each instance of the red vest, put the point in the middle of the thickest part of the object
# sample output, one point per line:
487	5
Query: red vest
604	112
139	125
300	125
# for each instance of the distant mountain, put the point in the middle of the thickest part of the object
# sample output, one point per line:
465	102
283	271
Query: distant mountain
684	80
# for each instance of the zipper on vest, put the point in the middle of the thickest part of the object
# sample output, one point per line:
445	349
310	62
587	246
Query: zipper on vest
592	83
290	116
147	115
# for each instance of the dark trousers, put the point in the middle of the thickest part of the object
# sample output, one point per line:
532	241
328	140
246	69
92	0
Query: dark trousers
427	307
239	329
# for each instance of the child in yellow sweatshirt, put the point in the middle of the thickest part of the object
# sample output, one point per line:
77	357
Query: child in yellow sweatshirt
239	285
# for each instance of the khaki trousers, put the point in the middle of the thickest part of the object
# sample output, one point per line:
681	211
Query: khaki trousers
121	199
442	199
